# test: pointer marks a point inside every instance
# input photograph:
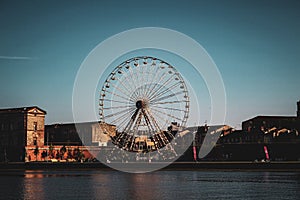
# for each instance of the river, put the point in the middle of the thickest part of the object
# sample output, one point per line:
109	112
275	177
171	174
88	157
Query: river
185	185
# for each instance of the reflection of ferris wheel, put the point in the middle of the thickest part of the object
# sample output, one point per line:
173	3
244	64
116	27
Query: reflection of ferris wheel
143	96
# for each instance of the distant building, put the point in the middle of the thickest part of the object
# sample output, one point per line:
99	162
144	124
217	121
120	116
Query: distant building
20	128
265	123
249	144
85	133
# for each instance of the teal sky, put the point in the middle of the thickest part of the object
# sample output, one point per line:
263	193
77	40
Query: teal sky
255	44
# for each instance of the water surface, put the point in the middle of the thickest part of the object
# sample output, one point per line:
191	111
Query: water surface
157	185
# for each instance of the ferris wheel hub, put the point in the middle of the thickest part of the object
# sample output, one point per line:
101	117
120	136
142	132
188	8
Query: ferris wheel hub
141	104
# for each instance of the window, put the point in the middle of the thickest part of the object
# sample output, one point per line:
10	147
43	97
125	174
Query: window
35	126
35	141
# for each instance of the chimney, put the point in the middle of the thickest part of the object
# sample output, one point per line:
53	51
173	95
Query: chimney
298	109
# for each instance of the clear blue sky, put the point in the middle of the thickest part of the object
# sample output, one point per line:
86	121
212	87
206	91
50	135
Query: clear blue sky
255	44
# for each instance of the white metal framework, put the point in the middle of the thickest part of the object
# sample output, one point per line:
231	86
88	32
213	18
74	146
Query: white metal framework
147	99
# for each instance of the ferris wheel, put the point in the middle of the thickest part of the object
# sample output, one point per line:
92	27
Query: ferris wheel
147	100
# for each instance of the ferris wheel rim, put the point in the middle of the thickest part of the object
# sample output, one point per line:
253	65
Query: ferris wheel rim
150	102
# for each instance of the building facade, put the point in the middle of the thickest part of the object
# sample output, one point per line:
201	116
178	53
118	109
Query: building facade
20	128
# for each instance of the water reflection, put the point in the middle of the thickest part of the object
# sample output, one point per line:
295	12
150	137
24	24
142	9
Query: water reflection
156	185
33	174
266	177
133	186
33	186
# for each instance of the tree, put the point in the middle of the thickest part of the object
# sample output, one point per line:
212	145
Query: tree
36	152
44	155
63	150
51	148
69	154
78	154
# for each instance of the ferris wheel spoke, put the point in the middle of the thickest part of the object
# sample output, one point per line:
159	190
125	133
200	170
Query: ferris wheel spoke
143	82
153	76
138	77
157	81
162	122
148	76
133	81
115	101
157	84
168	102
122	97
137	121
149	120
142	70
123	116
128	81
154	121
125	87
122	123
145	89
168	89
132	84
117	107
162	86
163	90
120	90
167	97
150	126
132	120
164	113
117	113
167	108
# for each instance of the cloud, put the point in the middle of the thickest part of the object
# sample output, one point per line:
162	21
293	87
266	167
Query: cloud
16	58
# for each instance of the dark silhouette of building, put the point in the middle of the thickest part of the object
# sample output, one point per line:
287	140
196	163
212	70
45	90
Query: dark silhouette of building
279	134
85	133
265	123
298	109
268	122
20	128
276	134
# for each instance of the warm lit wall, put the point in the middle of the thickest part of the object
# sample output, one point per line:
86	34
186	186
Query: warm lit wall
36	118
30	155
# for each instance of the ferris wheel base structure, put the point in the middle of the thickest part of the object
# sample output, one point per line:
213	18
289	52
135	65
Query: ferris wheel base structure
143	143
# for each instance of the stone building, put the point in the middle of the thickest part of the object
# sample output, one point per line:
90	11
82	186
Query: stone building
20	128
